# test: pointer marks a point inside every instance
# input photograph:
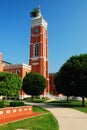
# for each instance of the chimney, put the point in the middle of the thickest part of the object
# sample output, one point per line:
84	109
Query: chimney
1	68
0	57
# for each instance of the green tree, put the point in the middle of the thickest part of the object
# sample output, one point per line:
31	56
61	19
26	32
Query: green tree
10	84
35	12
71	79
34	84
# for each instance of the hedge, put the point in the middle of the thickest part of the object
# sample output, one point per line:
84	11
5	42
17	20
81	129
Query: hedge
15	104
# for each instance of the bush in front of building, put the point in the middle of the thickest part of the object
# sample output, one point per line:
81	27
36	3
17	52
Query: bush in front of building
2	104
10	84
15	104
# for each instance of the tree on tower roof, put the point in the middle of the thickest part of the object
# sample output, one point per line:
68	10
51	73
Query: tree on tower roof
35	12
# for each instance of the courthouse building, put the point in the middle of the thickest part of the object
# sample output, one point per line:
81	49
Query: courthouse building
38	61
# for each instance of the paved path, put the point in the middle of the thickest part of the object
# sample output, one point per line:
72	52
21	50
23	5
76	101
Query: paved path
68	119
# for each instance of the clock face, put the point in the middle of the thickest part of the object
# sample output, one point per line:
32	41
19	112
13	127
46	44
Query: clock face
36	30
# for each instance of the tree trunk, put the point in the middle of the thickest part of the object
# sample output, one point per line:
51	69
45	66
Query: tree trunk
31	97
83	101
67	99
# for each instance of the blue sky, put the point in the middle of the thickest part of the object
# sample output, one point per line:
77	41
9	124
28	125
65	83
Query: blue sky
67	29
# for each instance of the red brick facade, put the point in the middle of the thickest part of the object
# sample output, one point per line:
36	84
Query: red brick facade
1	67
20	69
39	48
52	85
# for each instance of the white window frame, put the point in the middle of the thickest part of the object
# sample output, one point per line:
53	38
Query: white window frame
18	72
36	50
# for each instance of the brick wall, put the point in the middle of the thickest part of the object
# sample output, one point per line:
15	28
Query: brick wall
11	113
1	67
52	85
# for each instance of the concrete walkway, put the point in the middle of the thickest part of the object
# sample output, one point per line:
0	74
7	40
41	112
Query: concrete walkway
68	119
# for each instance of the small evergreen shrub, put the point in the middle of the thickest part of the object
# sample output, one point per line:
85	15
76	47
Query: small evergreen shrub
15	104
2	105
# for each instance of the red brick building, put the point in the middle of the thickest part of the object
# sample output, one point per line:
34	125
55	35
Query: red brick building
38	61
20	69
52	85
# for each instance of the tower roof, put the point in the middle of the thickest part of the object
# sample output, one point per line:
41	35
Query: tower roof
37	18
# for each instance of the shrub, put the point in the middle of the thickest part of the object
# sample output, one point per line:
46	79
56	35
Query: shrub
2	105
15	104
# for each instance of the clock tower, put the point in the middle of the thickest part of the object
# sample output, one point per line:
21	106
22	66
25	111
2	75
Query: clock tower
39	47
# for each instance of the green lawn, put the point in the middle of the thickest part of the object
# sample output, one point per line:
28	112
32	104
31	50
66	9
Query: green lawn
46	121
36	100
42	122
71	104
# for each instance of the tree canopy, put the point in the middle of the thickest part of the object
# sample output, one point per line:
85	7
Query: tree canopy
10	84
34	84
71	79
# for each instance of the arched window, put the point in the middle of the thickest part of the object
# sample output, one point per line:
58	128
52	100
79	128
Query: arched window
36	50
18	72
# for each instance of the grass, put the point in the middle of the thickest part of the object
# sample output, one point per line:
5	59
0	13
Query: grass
71	104
36	100
46	121
39	109
43	122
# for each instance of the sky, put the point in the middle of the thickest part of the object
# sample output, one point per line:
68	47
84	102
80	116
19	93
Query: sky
67	29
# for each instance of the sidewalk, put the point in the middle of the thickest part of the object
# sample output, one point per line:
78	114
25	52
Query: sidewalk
69	119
